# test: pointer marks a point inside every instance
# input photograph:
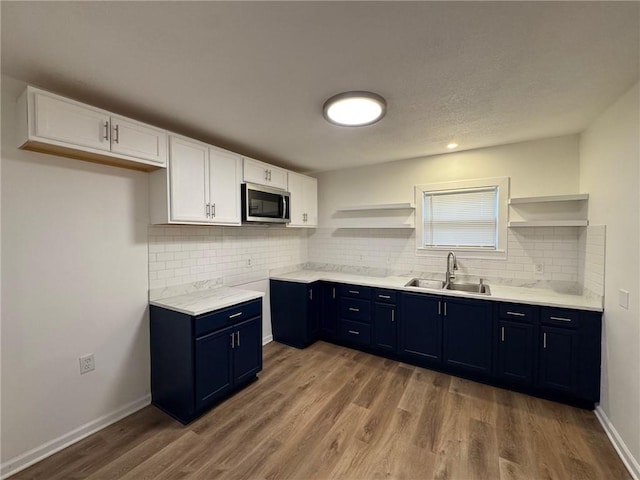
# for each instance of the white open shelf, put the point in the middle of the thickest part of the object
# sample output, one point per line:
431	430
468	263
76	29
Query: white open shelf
549	198
379	215
377	206
549	211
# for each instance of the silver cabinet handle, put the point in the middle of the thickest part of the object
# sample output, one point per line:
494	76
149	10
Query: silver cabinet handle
351	309
562	319
213	209
238	338
233	343
439	307
384	296
355	292
393	315
516	314
544	340
311	294
445	309
502	334
269	175
333	294
117	136
106	130
235	315
208	211
354	332
266	174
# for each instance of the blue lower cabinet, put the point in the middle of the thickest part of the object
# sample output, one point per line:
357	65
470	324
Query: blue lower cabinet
295	312
385	331
515	352
467	335
355	332
559	359
196	361
329	311
421	328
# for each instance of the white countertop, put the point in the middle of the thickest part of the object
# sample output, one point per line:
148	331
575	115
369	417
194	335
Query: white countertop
203	301
501	293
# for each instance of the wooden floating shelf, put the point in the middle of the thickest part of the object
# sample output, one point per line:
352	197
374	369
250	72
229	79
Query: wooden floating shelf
549	198
378	206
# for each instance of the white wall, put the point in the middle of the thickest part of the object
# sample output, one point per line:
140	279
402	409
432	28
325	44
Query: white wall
74	281
541	167
609	172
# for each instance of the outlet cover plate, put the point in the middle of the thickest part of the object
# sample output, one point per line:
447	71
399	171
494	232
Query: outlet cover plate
87	363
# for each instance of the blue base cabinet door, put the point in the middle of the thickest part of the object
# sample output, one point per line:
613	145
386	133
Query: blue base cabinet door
213	366
467	333
515	352
421	328
329	311
558	359
384	327
295	312
247	350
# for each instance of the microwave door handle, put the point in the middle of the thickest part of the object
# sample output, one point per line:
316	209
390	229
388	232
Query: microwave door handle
284	207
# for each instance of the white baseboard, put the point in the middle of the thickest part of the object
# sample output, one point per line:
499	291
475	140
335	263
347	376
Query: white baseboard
27	459
267	339
623	452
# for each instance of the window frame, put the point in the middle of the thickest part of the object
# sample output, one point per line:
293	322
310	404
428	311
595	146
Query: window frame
502	185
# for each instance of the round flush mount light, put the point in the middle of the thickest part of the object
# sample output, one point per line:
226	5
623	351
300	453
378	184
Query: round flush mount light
354	109
452	145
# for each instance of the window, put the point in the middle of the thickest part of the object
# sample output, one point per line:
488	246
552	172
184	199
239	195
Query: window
468	216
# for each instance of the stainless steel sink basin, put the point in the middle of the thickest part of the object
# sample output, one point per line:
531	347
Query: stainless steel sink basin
421	283
480	288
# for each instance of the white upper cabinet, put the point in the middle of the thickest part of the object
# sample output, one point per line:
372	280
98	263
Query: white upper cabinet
225	177
201	185
188	175
304	200
50	123
138	140
264	174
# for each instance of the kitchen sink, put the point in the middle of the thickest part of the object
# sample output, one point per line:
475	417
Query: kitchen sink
431	284
480	288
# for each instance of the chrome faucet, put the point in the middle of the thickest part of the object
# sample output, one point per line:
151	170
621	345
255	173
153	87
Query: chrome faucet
451	267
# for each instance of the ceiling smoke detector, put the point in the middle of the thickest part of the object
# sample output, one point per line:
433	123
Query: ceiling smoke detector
354	109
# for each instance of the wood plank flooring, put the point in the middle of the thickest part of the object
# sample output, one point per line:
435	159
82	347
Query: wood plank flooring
329	412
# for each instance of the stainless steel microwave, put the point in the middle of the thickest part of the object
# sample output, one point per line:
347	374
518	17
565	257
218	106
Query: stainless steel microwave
262	204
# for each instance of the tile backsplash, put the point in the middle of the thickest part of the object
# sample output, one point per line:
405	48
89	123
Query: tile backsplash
390	251
212	256
572	258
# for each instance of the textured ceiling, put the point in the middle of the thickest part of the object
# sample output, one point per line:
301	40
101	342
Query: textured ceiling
252	76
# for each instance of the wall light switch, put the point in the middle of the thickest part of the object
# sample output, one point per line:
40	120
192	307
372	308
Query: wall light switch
624	299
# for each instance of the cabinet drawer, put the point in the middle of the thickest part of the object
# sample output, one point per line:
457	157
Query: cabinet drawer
355	332
516	312
221	318
355	291
355	309
385	296
560	317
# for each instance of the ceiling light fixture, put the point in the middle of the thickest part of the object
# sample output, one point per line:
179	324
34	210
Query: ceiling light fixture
354	109
452	145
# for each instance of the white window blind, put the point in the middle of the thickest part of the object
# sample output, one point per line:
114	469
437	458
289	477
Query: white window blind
461	218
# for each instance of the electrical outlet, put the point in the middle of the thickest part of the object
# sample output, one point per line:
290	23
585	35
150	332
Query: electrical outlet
87	363
538	268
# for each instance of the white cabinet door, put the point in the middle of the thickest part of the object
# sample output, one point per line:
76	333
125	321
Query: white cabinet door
138	140
225	176
304	200
68	122
311	201
262	173
189	185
